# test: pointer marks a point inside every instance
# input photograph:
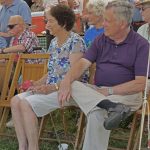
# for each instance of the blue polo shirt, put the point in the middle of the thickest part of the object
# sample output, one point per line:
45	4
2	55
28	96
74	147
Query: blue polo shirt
19	7
3	43
91	34
118	63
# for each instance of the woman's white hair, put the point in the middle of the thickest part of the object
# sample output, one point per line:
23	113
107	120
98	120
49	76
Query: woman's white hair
98	6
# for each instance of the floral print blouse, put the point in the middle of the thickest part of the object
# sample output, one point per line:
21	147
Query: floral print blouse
59	63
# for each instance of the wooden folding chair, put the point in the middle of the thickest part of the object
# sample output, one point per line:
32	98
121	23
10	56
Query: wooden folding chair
28	72
6	69
135	128
131	139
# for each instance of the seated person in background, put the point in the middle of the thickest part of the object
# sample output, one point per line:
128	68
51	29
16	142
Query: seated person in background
11	8
121	57
23	40
144	30
37	6
95	10
65	50
137	20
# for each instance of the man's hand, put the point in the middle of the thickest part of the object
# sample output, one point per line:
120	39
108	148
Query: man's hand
64	92
103	91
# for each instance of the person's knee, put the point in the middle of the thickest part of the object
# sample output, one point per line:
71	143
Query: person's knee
14	103
25	106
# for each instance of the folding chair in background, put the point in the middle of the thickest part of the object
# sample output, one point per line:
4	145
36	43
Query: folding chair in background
28	72
6	73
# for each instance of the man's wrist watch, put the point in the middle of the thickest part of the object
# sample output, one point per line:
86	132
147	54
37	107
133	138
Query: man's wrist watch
110	91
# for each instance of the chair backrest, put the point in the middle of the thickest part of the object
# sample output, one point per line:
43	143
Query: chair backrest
6	69
33	71
28	72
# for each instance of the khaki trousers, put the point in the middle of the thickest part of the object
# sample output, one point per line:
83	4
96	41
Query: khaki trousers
85	97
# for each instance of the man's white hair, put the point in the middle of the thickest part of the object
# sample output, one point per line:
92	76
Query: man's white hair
98	6
122	9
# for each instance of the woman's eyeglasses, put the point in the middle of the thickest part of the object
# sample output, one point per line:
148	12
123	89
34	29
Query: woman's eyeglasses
11	26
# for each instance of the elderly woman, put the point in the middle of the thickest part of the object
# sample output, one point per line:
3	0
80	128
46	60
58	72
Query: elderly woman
41	98
95	10
144	30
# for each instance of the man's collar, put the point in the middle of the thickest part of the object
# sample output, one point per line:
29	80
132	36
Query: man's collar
128	39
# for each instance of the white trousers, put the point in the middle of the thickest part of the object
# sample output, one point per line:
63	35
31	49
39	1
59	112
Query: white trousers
85	97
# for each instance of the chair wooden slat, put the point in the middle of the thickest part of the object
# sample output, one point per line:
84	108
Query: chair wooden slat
28	71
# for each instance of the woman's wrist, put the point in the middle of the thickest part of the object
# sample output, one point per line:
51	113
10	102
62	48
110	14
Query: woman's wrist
2	50
56	86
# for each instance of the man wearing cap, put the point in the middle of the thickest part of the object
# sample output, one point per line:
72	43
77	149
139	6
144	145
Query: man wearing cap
144	30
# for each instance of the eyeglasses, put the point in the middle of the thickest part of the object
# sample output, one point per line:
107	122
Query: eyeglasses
143	8
11	26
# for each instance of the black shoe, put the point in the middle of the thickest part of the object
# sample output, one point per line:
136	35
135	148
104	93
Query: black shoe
116	115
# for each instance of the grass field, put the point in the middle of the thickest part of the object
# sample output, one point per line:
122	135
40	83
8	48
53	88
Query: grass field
10	143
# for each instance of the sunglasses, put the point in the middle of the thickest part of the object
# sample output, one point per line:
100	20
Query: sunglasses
11	26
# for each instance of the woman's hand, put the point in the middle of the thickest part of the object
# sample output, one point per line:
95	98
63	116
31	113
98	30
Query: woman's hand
43	89
64	92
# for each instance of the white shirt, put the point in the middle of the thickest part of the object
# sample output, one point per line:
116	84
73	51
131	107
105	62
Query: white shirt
143	31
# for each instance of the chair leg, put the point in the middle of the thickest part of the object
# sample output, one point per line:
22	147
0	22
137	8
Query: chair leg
1	112
64	122
80	131
136	139
4	119
42	125
132	132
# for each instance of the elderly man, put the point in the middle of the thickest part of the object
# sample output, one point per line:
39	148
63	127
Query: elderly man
11	8
23	40
121	57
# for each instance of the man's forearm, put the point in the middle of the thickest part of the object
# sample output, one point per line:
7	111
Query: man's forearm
14	49
5	34
77	70
130	87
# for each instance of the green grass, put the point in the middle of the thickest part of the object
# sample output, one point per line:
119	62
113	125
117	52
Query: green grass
10	143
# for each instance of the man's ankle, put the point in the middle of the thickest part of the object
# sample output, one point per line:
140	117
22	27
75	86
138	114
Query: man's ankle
106	104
